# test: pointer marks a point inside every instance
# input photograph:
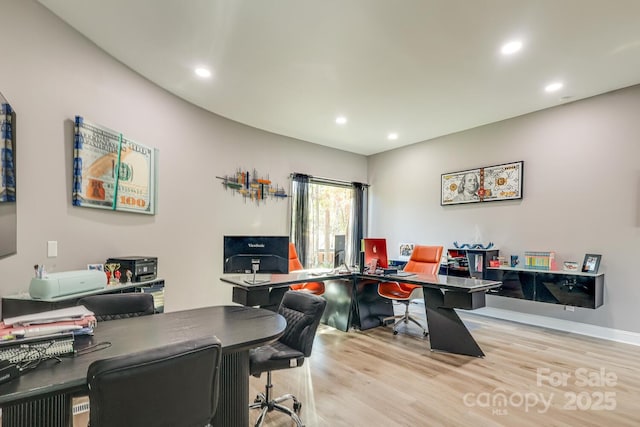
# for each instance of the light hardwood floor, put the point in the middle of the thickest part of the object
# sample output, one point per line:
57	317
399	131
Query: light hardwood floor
530	376
373	378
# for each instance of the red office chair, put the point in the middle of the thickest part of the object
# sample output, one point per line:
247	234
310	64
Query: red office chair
316	288
423	260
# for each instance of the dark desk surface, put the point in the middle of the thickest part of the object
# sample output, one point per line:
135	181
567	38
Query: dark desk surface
237	327
452	283
281	280
430	280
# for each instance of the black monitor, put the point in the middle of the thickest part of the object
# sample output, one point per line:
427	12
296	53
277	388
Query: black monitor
256	254
338	248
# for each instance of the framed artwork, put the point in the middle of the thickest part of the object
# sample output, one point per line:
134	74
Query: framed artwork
111	171
485	184
591	263
405	251
99	267
7	152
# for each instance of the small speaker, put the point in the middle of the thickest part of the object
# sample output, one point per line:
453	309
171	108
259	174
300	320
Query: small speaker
361	262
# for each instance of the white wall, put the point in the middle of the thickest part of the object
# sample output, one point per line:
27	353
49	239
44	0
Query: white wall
49	74
581	195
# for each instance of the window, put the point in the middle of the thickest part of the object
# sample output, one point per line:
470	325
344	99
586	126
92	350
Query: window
321	210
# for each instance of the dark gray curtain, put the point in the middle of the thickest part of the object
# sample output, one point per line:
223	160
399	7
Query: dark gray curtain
300	215
358	221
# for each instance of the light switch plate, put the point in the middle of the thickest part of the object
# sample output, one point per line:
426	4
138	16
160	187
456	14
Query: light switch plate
52	248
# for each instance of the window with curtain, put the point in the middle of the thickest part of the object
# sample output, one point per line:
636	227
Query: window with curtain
326	213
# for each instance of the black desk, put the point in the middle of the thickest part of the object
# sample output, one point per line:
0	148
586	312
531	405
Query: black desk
442	294
238	328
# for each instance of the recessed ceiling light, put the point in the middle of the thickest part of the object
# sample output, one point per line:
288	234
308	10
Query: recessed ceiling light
511	47
341	120
553	87
203	72
392	136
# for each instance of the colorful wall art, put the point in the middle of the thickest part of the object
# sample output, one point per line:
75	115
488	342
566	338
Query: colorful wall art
252	186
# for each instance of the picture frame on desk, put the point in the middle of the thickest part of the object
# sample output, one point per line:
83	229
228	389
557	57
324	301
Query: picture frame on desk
405	251
591	263
99	267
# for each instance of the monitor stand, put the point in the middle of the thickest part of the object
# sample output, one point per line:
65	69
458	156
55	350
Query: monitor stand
255	266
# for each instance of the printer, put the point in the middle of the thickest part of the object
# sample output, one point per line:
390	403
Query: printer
65	283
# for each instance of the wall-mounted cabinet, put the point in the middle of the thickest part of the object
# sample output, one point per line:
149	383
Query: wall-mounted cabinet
468	262
555	287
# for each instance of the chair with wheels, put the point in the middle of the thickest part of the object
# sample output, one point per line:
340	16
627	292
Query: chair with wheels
303	312
423	260
172	385
316	288
118	306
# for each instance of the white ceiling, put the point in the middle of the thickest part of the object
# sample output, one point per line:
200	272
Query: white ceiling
420	68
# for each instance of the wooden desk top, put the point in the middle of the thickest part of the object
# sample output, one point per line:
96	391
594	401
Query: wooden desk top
238	328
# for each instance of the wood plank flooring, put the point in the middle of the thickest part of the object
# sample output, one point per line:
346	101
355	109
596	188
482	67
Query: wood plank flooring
530	376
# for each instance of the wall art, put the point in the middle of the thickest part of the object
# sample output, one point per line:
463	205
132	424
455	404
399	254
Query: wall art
7	152
111	171
252	186
486	184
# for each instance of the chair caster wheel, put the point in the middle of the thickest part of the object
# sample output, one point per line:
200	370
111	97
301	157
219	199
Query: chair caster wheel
257	400
296	407
424	334
395	332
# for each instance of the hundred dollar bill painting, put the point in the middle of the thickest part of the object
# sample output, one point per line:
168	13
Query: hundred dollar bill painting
486	184
111	171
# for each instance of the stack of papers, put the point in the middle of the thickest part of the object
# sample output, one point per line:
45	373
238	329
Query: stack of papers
77	320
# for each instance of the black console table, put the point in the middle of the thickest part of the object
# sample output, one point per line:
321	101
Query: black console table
556	287
20	304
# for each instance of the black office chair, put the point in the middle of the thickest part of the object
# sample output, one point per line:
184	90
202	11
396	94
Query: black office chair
118	306
172	385
303	312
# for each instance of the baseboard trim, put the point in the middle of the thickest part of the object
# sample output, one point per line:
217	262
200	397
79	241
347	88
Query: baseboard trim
617	335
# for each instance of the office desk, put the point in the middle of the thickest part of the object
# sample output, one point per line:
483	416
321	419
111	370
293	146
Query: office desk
442	294
238	328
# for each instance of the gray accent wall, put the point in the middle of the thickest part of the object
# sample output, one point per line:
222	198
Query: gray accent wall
581	195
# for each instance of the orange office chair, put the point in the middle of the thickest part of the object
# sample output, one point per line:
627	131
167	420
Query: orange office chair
423	260
316	288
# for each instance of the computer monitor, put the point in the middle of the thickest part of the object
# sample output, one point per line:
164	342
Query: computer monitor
256	254
339	241
376	249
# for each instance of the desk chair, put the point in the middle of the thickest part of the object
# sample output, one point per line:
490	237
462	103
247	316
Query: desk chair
172	385
118	306
316	288
303	312
424	259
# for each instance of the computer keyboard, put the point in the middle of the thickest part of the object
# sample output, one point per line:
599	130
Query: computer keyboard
19	352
